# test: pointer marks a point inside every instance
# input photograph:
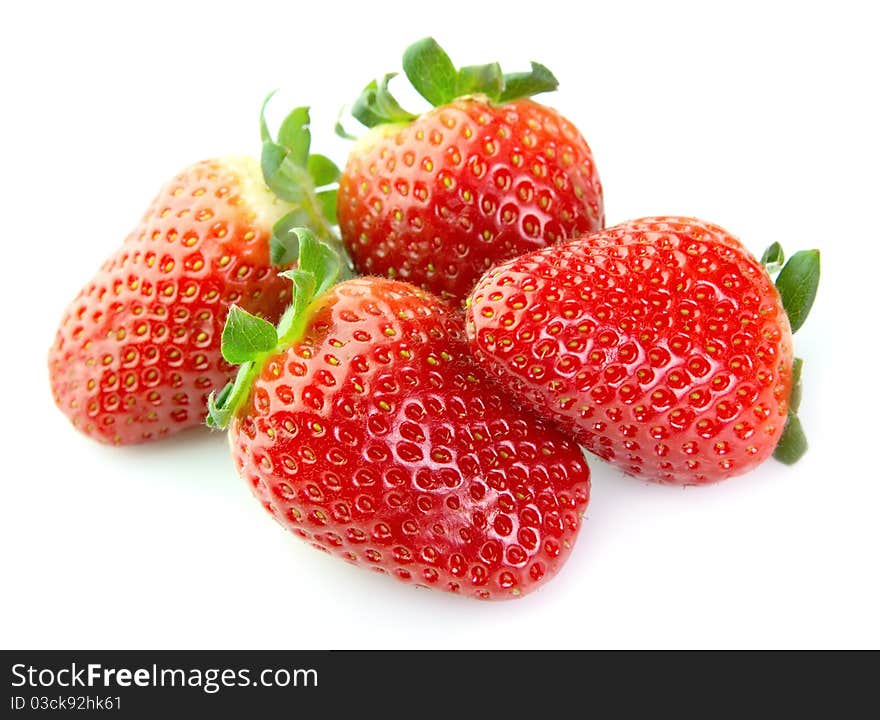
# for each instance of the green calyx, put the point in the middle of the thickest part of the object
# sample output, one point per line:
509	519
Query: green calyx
307	181
797	282
793	443
248	340
432	74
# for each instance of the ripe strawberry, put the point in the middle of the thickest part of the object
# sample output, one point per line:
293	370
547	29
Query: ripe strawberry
661	344
487	175
365	428
138	350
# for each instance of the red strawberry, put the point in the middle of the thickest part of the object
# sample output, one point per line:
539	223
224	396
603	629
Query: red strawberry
487	175
138	351
367	430
661	344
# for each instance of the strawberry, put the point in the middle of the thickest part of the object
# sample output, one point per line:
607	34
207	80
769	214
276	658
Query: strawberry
363	425
487	175
661	344
138	350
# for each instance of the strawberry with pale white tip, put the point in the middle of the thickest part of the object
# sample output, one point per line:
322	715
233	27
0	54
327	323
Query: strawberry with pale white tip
138	350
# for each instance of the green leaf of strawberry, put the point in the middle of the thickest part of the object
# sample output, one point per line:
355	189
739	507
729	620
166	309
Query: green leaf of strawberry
248	339
327	202
282	247
377	106
246	336
306	181
318	260
793	443
282	170
433	75
519	85
431	72
773	258
797	283
485	79
322	169
295	137
794	401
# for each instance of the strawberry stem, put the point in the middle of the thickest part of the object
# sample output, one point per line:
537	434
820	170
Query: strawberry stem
247	340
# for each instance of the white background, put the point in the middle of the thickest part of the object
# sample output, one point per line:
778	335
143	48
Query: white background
760	117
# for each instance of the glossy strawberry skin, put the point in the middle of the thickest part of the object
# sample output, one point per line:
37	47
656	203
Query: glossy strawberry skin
377	439
138	350
440	200
660	344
